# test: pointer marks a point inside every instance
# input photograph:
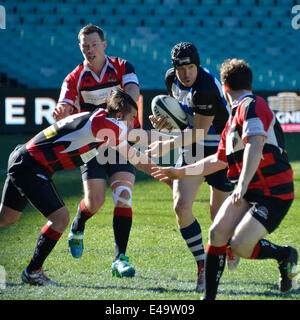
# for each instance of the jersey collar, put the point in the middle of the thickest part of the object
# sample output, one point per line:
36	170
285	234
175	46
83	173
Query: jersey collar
237	101
106	65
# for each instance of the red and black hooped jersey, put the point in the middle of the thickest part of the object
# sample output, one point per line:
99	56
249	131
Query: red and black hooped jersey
252	116
85	91
74	140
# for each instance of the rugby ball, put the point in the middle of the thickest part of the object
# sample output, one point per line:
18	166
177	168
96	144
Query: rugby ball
163	105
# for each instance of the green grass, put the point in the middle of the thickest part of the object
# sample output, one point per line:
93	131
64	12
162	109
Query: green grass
165	269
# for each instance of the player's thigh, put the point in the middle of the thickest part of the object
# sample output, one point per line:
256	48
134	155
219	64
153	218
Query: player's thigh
94	193
8	216
217	197
59	219
185	191
122	178
246	235
225	222
12	203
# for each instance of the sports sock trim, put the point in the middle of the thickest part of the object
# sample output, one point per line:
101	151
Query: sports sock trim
84	210
123	212
50	233
255	251
215	250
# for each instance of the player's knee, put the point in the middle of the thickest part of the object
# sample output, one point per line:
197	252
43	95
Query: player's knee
217	235
94	202
122	196
65	219
60	219
181	208
7	219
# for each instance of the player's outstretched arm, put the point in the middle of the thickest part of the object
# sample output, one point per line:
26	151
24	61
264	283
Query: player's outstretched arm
203	167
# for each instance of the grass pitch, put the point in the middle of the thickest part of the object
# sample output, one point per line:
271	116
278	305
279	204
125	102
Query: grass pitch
165	269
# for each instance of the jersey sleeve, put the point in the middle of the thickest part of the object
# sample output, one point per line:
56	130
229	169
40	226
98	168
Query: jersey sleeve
221	152
128	74
255	118
69	92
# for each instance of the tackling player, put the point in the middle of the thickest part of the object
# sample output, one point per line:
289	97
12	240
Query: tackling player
85	89
252	147
200	95
67	144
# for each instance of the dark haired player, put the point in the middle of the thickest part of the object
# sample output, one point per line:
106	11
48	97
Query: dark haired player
252	147
200	95
66	144
86	88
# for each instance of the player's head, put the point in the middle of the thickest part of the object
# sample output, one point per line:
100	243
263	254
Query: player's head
122	106
236	75
186	61
92	43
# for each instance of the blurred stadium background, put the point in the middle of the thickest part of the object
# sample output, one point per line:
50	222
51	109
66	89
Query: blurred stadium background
39	46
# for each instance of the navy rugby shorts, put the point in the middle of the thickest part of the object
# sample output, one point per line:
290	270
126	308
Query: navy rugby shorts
218	179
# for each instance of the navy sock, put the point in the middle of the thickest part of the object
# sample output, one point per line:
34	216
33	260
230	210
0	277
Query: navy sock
193	237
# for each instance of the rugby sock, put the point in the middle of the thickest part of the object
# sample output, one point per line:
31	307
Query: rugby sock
82	216
45	243
214	267
192	235
264	249
122	222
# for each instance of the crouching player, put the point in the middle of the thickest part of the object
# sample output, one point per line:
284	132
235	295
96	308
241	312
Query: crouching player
252	147
67	144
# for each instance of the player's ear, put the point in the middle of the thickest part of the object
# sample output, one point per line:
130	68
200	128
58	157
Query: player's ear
225	87
104	43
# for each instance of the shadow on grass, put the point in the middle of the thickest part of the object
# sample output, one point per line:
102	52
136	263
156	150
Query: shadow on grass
262	289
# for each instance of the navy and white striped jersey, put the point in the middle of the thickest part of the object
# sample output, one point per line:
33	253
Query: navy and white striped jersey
205	97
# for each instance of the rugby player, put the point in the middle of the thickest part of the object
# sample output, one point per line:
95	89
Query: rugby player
67	144
85	89
252	148
200	95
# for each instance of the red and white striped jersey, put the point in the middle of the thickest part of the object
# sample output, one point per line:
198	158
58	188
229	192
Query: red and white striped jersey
74	140
85	91
252	116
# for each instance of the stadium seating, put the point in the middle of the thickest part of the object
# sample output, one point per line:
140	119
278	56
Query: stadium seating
42	35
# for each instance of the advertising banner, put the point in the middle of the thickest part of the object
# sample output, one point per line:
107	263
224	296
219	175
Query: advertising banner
286	106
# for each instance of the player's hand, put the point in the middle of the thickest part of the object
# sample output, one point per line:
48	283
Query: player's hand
60	112
238	194
160	123
158	149
166	173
